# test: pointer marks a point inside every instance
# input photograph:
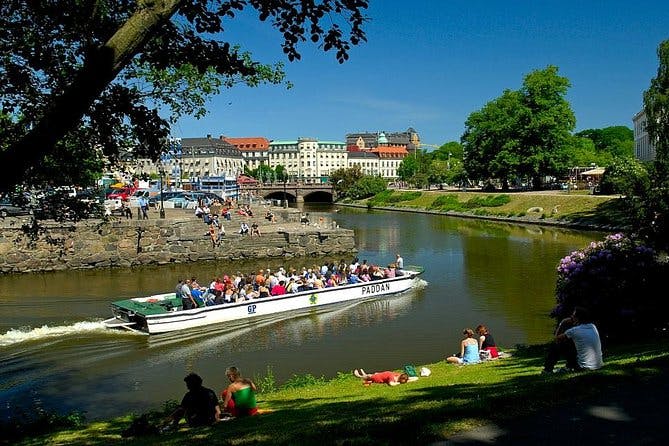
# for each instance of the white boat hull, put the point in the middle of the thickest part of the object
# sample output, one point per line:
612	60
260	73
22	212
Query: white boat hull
185	319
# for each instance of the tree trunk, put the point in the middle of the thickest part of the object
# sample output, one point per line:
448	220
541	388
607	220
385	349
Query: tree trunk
100	68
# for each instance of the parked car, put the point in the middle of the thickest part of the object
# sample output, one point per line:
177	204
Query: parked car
123	193
8	209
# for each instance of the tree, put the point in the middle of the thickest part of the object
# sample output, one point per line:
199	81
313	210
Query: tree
653	209
491	138
366	187
545	135
79	65
625	176
618	140
343	179
522	133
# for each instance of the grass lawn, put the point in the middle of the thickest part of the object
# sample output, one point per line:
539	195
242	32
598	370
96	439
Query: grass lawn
454	398
551	206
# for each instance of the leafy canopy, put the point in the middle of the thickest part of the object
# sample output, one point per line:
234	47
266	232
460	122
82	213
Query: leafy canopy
523	133
101	75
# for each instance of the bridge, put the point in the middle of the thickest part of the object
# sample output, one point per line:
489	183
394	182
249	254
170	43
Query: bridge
296	192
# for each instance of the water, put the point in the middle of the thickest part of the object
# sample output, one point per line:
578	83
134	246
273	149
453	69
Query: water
56	354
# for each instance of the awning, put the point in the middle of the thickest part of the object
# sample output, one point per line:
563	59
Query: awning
595	171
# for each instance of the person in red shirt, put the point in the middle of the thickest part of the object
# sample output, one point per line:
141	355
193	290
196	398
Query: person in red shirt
279	289
387	377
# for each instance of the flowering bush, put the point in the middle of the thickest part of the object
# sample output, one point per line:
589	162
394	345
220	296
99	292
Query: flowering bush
614	279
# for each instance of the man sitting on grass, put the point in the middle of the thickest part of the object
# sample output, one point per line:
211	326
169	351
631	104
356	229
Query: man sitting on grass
576	340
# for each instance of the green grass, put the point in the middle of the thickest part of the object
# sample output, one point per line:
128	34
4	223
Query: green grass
558	206
453	398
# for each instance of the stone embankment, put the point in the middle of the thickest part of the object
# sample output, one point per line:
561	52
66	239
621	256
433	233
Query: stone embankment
179	238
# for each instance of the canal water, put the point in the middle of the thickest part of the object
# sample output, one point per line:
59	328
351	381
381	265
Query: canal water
55	353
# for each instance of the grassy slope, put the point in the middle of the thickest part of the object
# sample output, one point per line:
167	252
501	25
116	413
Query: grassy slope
576	208
453	398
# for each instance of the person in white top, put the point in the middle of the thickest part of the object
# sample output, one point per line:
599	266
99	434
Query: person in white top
576	340
399	262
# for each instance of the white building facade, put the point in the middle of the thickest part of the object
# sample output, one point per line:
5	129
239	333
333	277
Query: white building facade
308	159
644	150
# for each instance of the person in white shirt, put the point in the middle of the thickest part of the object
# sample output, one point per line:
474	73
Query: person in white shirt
576	340
399	262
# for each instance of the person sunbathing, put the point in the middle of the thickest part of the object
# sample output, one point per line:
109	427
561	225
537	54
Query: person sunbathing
387	377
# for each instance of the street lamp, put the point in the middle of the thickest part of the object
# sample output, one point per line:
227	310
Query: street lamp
162	208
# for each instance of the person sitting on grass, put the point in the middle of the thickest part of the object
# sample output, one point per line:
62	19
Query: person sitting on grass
576	340
469	350
199	405
239	398
486	342
387	377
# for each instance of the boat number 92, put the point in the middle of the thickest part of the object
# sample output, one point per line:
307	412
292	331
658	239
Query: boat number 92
251	309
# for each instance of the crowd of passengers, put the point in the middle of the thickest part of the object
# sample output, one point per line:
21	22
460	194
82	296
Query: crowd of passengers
266	283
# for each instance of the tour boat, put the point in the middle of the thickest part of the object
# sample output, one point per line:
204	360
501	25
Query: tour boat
163	313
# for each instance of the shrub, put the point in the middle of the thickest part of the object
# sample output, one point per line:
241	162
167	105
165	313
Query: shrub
447	202
298	381
615	280
488	201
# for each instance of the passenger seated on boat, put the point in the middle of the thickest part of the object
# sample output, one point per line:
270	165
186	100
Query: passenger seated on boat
230	293
250	292
377	273
389	272
263	290
279	289
364	276
239	398
352	278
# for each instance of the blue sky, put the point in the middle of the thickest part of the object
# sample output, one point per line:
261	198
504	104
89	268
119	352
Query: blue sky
429	64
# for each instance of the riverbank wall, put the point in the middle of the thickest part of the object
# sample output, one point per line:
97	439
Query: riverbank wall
54	246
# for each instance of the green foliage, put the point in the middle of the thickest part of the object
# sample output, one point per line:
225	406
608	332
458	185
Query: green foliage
617	141
112	74
651	211
299	381
391	197
450	202
608	278
37	422
343	179
447	202
265	383
487	201
625	176
522	133
366	187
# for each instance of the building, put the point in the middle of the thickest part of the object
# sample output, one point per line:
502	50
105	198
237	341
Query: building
308	159
370	140
253	149
205	157
644	149
368	161
390	158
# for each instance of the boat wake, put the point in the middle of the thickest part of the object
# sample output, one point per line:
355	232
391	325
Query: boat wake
29	334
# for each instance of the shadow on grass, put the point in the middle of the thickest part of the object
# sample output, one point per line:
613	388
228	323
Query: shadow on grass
614	213
425	412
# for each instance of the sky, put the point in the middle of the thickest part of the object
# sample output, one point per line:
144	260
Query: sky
429	64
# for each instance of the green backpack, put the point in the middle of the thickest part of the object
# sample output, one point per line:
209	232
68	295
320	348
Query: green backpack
410	370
